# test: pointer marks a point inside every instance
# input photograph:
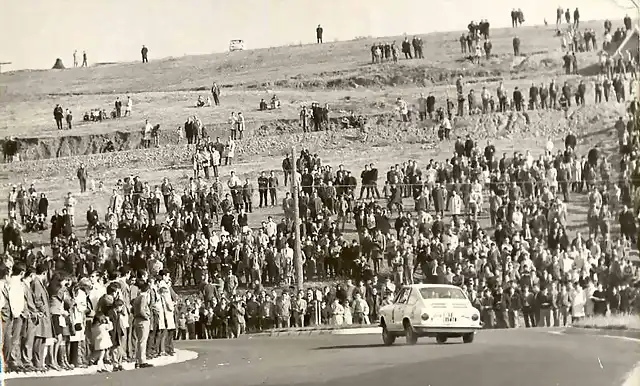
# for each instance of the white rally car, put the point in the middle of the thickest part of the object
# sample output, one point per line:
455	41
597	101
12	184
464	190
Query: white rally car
432	310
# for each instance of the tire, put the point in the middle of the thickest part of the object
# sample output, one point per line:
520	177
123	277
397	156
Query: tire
387	338
441	338
410	334
468	338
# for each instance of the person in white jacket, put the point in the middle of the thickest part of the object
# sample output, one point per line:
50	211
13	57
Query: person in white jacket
578	301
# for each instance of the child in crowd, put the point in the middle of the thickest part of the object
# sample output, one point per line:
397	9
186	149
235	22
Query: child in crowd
101	339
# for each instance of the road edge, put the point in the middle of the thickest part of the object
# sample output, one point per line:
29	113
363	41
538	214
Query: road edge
180	356
632	378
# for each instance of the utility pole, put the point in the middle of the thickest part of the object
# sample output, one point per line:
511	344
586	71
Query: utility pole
636	54
297	248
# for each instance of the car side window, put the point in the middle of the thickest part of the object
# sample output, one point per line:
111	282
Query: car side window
403	296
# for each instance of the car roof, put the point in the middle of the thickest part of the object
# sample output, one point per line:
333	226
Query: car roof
420	286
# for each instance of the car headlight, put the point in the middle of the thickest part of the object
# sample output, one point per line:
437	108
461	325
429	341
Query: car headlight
475	317
424	317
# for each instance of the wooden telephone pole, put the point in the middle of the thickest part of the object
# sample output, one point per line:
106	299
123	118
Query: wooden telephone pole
1	63
297	248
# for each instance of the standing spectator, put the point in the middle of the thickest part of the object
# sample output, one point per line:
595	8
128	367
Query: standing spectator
69	118
58	115
83	176
215	91
141	323
118	106
144	53
13	323
84	58
75	58
241	125
43	330
319	31
273	186
516	46
127	111
263	184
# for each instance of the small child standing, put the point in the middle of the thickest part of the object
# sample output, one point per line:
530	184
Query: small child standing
182	327
102	339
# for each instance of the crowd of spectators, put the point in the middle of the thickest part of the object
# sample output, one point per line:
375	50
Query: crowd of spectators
499	227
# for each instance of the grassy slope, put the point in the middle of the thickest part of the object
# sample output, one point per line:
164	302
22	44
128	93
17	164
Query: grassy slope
165	90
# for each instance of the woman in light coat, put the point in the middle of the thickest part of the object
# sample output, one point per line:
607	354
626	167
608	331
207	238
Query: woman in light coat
337	313
166	318
457	205
578	301
78	318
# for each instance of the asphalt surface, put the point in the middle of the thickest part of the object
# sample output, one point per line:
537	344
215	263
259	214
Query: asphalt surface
496	358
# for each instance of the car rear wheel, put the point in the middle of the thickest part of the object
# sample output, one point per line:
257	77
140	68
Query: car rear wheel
387	338
441	338
468	338
410	334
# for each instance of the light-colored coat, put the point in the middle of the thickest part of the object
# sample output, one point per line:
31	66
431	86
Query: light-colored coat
168	306
457	205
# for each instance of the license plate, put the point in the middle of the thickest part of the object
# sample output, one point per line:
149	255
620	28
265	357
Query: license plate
449	318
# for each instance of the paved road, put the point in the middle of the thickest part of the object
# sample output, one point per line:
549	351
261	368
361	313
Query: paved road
496	358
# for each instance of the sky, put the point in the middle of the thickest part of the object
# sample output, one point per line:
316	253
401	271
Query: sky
33	33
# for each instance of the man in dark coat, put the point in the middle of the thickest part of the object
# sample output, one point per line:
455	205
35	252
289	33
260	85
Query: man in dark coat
58	115
319	32
144	53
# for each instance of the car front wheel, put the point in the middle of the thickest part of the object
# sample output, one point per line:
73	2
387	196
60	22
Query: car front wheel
468	338
441	338
387	338
410	334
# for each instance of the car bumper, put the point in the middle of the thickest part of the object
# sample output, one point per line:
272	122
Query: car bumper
449	330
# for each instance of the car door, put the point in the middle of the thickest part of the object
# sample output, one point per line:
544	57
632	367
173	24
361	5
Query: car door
399	308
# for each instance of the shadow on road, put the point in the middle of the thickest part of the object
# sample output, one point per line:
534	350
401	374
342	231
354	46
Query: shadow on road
369	345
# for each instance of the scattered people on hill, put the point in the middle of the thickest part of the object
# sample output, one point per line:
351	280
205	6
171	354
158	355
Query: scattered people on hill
11	150
384	52
315	118
194	129
275	102
319	32
201	102
95	115
406	49
84	59
144	52
215	91
470	42
517	17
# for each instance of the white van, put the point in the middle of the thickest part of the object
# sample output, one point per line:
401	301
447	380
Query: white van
236	45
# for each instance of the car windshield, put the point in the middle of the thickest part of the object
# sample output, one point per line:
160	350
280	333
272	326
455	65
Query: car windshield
441	293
